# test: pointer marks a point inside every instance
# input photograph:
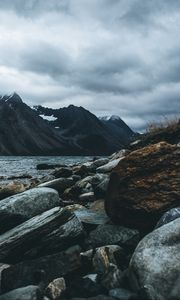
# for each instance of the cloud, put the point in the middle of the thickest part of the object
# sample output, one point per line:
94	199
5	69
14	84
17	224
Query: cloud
110	56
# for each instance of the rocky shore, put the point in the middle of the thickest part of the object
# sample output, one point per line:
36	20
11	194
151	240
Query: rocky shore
106	229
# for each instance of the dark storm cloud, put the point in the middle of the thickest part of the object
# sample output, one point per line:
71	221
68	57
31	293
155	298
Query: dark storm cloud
110	56
45	59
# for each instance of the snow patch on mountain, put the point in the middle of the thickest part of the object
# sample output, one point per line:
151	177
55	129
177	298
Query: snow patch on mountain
112	118
48	118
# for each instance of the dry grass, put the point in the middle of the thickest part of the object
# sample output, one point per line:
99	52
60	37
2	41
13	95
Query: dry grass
166	124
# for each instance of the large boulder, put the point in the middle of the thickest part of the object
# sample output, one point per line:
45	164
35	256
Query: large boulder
18	208
155	264
144	185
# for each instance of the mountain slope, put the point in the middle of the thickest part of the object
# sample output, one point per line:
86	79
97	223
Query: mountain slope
86	129
65	131
22	132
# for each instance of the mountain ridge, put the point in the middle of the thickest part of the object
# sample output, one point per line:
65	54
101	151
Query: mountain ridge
70	130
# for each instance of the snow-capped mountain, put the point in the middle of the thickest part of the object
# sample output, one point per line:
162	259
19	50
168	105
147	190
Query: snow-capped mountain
66	131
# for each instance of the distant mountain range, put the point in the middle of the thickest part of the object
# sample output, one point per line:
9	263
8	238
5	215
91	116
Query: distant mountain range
71	130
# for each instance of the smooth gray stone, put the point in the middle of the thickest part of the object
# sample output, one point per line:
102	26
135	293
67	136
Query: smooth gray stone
31	292
18	208
155	264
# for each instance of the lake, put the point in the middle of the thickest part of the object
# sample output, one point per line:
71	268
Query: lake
19	165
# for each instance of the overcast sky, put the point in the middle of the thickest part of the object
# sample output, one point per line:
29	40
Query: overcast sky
110	56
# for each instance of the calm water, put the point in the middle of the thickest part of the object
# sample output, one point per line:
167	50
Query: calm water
19	165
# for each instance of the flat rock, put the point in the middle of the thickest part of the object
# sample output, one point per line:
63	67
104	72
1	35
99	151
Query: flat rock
53	266
143	186
88	216
113	235
109	166
51	229
59	184
18	208
155	264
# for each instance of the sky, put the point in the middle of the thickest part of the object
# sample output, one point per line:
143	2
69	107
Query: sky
117	57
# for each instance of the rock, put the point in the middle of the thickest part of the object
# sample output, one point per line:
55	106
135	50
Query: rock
62	172
87	197
99	297
59	184
93	165
101	189
84	185
143	186
83	287
70	232
113	278
53	266
119	154
48	166
99	259
175	292
109	166
87	216
93	277
2	267
122	294
93	180
31	292
76	178
155	264
105	256
56	288
100	162
18	208
81	170
169	216
12	188
97	205
23	176
113	235
49	227
75	207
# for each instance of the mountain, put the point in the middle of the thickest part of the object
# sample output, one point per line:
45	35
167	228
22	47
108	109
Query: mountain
87	131
65	131
118	126
23	132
